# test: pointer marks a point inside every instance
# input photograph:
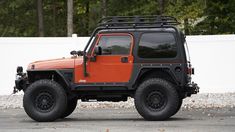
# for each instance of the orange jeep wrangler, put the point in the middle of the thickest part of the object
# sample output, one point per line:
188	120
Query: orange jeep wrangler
142	57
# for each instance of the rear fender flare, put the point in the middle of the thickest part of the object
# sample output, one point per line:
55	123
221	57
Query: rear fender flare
138	72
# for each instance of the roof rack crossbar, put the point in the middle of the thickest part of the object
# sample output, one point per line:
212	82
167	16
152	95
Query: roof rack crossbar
111	21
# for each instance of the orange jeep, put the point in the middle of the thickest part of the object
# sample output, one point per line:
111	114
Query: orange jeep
142	57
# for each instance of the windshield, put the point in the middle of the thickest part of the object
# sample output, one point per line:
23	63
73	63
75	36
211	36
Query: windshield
90	44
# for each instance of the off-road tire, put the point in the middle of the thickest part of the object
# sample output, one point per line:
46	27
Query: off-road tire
179	106
45	100
71	105
156	99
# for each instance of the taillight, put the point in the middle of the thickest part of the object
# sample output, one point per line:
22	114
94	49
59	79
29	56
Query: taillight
190	70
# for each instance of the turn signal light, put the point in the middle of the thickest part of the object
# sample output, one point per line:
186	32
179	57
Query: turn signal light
190	71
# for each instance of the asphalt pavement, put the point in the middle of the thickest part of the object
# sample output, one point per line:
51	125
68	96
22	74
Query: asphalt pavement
122	120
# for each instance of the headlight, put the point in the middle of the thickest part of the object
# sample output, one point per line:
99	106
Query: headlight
19	70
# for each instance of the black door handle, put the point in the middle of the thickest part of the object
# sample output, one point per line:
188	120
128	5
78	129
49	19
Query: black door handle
124	59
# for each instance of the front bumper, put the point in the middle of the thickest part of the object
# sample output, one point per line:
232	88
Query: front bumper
20	82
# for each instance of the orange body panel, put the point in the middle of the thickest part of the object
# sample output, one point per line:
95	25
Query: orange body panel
106	68
63	63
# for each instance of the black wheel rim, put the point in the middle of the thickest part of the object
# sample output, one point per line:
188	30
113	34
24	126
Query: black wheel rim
44	101
156	100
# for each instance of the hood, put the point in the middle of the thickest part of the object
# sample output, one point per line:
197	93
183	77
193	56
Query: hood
62	63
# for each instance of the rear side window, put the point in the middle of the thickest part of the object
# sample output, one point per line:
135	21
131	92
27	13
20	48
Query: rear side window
115	45
157	45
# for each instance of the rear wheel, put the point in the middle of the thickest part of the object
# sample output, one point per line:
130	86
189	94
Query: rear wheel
156	99
71	106
179	106
44	100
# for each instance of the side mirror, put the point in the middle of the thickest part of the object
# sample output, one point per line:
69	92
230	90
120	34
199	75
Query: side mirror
98	50
73	52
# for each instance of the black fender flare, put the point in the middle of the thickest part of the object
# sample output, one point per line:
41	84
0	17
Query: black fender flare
136	73
56	72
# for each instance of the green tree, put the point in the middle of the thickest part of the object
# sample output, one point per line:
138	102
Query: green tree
188	12
18	18
133	7
55	18
219	18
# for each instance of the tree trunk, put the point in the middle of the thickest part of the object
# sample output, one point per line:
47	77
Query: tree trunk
186	26
87	17
161	6
40	18
54	18
69	18
104	8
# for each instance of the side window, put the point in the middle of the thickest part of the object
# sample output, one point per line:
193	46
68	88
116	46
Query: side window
115	45
157	45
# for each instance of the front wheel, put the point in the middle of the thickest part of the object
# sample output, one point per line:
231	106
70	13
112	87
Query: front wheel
156	99
45	100
71	105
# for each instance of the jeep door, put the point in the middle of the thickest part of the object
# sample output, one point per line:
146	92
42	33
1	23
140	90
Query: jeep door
114	64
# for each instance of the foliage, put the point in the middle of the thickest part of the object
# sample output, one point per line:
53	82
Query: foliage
219	18
19	17
188	12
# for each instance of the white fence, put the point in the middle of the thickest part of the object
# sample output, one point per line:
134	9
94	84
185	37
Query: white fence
212	57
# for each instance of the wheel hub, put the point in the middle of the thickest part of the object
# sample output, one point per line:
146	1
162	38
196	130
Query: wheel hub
155	100
44	101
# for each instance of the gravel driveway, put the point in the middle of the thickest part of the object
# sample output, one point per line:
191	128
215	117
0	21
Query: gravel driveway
204	100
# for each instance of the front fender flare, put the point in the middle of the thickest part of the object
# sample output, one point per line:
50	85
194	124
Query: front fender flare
48	74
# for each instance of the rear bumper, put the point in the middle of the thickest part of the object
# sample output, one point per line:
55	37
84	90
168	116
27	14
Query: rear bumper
192	88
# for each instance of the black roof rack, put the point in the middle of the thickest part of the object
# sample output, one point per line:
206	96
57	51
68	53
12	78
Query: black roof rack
137	21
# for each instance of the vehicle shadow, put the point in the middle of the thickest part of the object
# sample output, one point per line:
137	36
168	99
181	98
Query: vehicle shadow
120	119
131	118
109	119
